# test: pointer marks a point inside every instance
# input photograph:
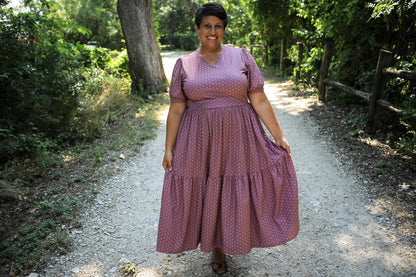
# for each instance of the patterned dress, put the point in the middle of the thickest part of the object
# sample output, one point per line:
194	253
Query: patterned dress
231	186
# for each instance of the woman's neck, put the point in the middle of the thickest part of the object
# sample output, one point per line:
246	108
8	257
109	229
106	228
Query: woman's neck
209	51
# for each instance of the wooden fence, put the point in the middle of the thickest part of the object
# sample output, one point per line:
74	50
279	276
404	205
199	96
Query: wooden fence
251	46
383	73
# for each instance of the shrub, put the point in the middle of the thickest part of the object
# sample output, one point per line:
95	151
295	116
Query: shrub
37	82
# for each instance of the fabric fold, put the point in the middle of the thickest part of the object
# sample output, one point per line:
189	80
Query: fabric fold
247	215
231	186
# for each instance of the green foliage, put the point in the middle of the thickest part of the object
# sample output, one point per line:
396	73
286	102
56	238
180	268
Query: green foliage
37	80
406	142
175	23
61	209
186	41
381	167
309	65
97	155
358	121
274	19
99	18
242	27
119	64
356	29
39	235
51	90
274	55
77	179
54	96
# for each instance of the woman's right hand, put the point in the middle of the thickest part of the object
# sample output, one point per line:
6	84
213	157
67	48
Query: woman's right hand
167	161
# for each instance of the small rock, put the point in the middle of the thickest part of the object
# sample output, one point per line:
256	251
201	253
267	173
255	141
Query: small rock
168	258
33	275
122	156
75	270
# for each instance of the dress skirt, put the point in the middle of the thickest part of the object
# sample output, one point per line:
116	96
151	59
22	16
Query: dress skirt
230	187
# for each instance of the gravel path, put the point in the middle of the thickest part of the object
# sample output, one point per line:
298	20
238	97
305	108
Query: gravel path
341	232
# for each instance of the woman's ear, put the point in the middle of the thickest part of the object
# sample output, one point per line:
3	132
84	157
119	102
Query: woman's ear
196	28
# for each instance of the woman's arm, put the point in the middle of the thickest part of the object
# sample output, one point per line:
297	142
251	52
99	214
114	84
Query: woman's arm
265	111
175	114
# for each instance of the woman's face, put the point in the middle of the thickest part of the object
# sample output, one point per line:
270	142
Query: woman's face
211	32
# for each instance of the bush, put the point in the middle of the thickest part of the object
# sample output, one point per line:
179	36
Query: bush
187	41
37	81
47	85
119	64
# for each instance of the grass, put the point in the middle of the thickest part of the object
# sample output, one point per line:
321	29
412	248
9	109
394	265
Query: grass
56	185
38	235
381	167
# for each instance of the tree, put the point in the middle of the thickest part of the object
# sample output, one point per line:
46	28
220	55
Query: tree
100	17
275	20
145	62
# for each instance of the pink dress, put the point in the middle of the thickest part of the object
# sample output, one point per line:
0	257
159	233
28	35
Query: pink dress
231	186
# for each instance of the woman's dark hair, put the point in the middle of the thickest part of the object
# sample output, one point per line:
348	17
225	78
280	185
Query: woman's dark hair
214	9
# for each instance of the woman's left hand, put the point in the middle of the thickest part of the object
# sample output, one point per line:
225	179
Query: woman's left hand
282	142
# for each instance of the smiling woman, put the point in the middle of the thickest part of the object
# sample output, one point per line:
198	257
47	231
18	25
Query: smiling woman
210	23
210	34
228	188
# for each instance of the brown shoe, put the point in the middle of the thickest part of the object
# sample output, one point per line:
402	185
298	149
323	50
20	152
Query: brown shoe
218	264
219	269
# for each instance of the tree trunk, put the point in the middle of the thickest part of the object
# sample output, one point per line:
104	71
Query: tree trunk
145	62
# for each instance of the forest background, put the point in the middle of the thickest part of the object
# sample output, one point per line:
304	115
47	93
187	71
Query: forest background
65	78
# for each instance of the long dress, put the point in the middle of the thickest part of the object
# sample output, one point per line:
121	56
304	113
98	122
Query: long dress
231	186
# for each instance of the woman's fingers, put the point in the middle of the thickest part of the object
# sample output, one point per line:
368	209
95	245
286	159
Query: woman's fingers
167	162
284	144
287	148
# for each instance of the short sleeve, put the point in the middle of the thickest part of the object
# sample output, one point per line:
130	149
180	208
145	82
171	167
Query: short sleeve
176	85
255	79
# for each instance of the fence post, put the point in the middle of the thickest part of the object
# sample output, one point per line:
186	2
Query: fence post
324	72
282	53
266	53
299	63
384	59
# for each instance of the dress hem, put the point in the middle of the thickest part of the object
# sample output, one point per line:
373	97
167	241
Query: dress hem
230	252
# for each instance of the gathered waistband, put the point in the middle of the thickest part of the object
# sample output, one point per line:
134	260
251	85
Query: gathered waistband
213	105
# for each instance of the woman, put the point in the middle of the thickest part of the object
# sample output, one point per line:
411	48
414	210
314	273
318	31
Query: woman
227	187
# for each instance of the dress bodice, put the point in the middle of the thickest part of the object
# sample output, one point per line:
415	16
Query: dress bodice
225	83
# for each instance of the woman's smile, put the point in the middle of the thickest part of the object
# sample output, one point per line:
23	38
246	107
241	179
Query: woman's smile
211	32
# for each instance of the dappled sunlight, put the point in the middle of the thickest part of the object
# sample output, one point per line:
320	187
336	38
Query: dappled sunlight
371	244
373	142
293	106
91	269
382	206
147	272
95	269
162	115
67	158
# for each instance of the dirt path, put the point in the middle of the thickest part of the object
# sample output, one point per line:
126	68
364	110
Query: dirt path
340	235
